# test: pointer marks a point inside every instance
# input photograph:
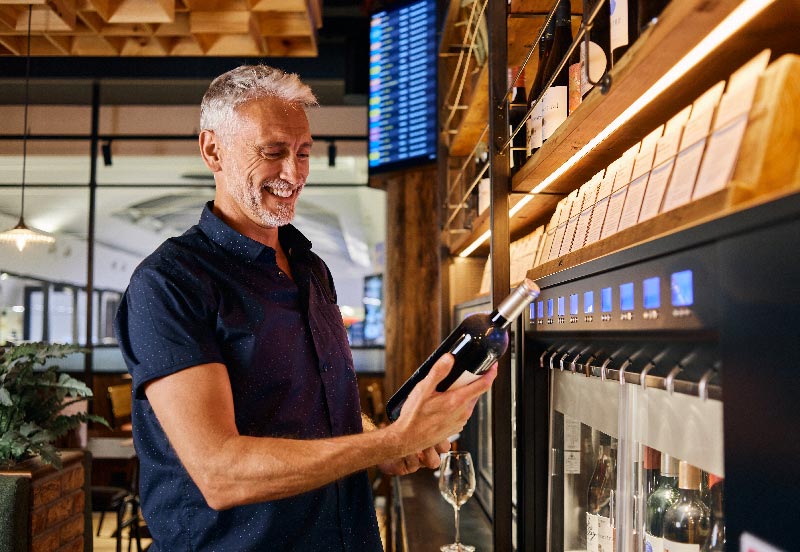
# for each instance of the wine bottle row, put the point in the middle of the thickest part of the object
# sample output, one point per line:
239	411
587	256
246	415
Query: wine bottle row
616	26
677	507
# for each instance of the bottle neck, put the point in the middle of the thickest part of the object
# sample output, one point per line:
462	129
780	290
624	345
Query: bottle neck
562	15
513	305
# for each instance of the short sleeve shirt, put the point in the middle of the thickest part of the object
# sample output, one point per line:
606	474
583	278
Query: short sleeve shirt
213	295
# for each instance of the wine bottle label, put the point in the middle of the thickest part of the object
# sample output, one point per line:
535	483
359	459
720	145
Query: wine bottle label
605	535
653	543
465	378
592	533
597	66
535	129
619	23
554	110
574	87
672	546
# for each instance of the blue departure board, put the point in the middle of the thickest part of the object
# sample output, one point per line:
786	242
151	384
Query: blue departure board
402	86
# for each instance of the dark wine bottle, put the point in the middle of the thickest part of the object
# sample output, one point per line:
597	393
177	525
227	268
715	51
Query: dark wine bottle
651	464
716	536
600	504
665	495
534	123
517	108
624	27
649	10
599	54
476	343
687	520
555	100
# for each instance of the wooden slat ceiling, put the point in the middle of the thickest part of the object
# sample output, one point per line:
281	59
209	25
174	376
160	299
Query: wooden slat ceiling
159	28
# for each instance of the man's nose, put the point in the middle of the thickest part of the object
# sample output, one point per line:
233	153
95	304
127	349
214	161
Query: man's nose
291	170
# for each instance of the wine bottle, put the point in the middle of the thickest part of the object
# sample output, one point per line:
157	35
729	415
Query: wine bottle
599	528
662	497
649	10
651	464
534	123
716	535
624	27
476	343
517	109
686	522
599	51
555	100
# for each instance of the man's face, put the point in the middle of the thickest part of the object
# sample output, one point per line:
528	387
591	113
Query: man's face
265	166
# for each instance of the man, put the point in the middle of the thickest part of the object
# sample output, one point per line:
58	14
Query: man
246	413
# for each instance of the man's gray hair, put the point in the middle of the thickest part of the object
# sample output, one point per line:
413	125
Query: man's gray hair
246	83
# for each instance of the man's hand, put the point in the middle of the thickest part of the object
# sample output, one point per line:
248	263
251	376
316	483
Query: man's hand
428	458
429	417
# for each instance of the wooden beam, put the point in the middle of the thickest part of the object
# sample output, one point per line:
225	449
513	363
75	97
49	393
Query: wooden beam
284	24
219	22
179	27
143	11
291	46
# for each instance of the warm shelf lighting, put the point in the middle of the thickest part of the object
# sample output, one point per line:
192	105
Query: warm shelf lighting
21	234
737	19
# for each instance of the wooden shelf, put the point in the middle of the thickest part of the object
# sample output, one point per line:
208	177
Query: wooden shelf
681	27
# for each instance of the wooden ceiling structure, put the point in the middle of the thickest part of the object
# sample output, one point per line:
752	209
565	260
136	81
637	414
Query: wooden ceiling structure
161	28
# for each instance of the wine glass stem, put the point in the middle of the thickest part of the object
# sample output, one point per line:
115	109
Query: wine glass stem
458	538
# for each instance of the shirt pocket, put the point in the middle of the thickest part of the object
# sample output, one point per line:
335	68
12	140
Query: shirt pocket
336	349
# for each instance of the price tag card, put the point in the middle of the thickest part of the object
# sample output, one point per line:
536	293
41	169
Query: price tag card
572	433
697	128
741	92
572	198
720	158
590	194
624	171
572	462
644	159
557	239
678	120
583	227
557	213
656	185
547	245
596	225
569	234
633	202
709	100
607	184
684	174
614	213
667	146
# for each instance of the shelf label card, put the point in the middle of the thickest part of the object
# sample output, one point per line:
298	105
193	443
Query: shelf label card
590	195
678	120
572	462
697	128
580	231
741	92
709	100
720	158
633	202
624	171
557	239
569	234
644	161
598	216
684	175
614	213
656	185
607	185
572	433
548	244
667	146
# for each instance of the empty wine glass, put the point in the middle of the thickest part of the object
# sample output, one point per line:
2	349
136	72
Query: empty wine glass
457	483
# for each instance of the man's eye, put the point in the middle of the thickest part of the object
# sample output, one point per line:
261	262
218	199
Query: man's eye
303	155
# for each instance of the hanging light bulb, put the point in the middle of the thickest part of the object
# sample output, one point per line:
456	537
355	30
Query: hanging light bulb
21	234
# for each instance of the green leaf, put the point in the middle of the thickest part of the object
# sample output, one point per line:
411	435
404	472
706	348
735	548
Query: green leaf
5	397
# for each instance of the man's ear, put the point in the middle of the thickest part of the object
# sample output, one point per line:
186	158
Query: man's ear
210	150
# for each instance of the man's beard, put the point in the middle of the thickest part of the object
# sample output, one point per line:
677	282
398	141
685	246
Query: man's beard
250	197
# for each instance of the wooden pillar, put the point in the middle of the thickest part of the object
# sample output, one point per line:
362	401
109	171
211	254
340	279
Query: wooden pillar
413	290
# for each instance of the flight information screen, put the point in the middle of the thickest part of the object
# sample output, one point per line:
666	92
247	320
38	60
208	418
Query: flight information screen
402	86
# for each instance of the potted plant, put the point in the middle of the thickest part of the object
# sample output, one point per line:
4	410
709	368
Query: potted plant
32	402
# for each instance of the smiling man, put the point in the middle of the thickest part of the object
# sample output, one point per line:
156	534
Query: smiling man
246	415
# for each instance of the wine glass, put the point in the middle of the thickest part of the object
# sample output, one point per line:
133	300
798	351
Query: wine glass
457	483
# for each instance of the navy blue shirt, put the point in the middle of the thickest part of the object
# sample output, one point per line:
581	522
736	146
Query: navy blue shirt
213	295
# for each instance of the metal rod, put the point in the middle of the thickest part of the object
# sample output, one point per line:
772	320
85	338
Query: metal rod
88	356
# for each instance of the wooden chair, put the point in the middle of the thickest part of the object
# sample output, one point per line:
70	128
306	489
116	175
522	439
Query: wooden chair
120	397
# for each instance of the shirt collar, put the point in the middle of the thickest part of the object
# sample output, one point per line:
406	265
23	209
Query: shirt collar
243	247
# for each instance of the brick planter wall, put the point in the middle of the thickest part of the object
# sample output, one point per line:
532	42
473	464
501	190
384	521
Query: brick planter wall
57	521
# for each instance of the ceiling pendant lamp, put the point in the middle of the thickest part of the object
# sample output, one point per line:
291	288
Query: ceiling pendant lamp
21	234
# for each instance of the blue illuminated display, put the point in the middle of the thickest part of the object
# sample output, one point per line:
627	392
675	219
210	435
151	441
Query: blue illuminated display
573	304
626	296
549	308
606	300
561	306
540	309
682	290
652	292
588	302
